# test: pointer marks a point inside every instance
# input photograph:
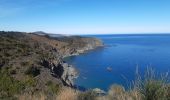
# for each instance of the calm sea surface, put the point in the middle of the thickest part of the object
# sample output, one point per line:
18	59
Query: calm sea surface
122	54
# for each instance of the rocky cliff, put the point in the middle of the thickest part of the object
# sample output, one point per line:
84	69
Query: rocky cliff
40	58
75	45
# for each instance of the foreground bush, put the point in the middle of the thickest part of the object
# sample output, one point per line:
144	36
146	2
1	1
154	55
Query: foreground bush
67	94
155	87
8	85
152	87
88	95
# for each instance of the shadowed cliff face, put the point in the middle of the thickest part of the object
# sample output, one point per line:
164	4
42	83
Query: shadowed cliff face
25	54
65	72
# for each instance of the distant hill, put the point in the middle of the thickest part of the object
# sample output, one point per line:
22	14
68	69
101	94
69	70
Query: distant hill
40	33
49	34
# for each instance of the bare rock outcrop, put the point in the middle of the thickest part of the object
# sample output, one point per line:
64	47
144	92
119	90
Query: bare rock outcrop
67	73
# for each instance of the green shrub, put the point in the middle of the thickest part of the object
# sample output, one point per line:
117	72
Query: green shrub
25	63
52	87
12	72
154	86
32	71
8	85
154	90
6	54
30	82
168	92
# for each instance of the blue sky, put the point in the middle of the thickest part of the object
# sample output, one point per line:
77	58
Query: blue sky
85	16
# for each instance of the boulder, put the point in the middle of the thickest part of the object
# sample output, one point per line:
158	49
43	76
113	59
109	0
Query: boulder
67	73
99	91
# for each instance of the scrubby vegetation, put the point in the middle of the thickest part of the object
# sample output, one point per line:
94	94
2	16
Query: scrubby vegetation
152	87
32	71
24	77
52	87
20	65
8	85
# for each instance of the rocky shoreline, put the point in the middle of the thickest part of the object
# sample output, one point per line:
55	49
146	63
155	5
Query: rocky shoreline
30	57
66	72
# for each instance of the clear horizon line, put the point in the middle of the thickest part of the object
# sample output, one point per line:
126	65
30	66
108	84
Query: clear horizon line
92	33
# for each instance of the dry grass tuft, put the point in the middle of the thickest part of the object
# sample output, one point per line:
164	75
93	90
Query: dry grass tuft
117	92
39	96
67	94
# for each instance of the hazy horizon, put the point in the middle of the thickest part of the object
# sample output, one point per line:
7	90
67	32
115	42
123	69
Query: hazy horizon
86	16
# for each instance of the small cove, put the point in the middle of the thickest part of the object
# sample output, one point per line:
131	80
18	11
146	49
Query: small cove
122	53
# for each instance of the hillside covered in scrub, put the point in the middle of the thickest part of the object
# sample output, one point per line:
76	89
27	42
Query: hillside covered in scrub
30	63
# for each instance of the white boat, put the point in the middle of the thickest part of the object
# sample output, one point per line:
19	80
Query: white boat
109	68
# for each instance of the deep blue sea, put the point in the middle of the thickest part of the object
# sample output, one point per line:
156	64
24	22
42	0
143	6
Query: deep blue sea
121	53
